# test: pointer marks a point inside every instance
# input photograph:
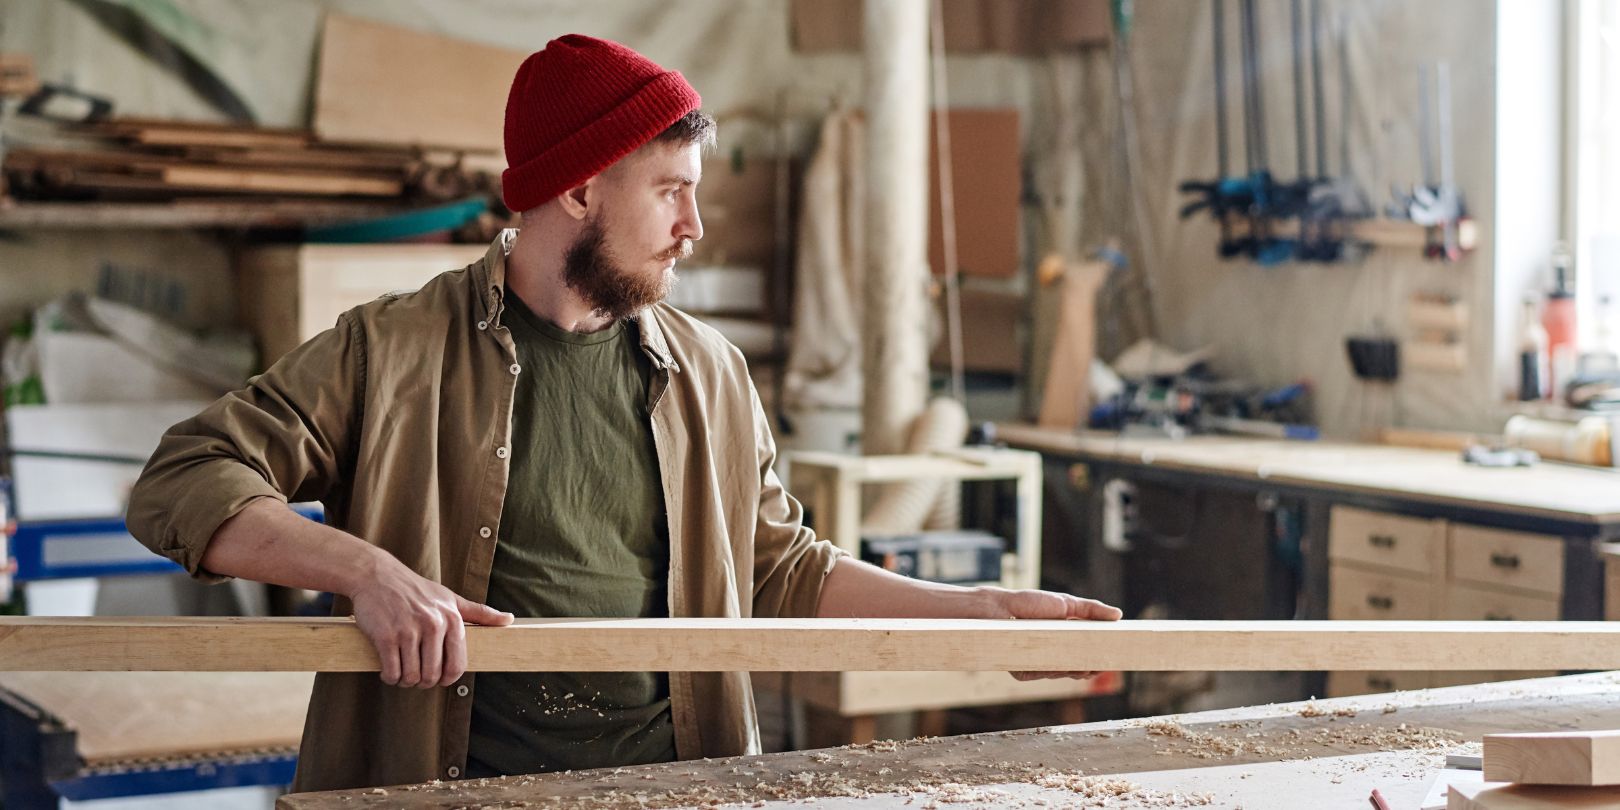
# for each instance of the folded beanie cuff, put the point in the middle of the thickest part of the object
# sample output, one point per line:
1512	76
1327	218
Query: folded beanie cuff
607	140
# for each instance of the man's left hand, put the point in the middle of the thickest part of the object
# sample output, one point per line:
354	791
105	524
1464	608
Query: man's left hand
1050	605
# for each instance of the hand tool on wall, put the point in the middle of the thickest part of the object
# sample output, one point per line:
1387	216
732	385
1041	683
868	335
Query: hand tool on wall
1435	203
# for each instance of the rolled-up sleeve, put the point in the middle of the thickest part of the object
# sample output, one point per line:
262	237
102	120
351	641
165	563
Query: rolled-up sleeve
790	562
287	435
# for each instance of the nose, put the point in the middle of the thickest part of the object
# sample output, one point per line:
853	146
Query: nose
690	224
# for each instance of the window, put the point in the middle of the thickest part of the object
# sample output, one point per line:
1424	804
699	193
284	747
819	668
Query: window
1597	161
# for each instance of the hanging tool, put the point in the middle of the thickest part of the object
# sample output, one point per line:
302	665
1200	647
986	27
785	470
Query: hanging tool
1436	203
1226	195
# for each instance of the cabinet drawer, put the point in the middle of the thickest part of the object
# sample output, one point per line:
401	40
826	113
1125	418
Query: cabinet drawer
1346	683
1393	541
1532	562
1464	603
1361	593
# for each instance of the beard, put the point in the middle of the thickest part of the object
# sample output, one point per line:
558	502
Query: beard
611	289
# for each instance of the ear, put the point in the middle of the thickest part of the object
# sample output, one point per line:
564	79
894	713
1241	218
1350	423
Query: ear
576	202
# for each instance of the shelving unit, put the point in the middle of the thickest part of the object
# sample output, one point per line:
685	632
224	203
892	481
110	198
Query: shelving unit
846	704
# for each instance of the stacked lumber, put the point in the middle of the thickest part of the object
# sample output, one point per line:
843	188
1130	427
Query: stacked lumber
157	160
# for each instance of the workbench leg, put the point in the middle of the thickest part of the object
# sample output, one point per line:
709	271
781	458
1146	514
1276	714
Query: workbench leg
931	723
825	729
861	729
1072	712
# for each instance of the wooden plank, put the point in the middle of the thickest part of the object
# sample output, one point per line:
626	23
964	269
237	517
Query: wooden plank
281	182
1066	397
124	716
17	75
1499	796
380	83
1554	758
819	645
212	213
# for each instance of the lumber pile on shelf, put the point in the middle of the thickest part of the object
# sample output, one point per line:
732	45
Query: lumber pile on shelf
142	159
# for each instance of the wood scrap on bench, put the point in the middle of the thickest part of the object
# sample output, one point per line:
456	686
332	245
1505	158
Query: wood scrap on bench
820	645
1554	758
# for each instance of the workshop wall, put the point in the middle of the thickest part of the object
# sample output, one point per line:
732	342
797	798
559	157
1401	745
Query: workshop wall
1270	325
1273	325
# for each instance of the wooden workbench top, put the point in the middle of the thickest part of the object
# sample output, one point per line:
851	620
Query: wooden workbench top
1327	753
1562	491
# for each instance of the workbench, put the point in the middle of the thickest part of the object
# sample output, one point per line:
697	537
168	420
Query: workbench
98	735
1329	753
1581	505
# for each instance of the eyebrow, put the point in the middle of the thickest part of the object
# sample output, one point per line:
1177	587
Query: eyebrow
677	180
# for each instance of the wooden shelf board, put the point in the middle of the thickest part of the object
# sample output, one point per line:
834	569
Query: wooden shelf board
190	214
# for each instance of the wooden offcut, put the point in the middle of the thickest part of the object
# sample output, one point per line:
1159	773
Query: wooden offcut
819	645
1497	796
1066	397
380	83
1554	758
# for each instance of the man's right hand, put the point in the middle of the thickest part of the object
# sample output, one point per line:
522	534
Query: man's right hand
417	626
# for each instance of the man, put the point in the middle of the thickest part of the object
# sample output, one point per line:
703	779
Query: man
535	435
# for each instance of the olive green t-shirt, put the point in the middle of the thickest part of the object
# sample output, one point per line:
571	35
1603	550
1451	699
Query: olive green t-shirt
582	533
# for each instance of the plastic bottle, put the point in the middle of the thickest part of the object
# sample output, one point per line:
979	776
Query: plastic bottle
1558	318
1532	353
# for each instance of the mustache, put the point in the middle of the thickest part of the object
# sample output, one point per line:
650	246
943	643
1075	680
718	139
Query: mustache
681	250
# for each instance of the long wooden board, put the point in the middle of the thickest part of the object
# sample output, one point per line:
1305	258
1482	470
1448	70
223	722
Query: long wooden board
820	645
1554	758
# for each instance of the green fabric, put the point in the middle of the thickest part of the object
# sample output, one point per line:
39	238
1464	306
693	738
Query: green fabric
583	533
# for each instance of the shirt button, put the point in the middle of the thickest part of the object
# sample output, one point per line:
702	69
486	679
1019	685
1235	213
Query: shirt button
500	452
483	531
482	325
516	368
462	690
453	772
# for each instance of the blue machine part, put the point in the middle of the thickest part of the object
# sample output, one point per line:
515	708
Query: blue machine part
177	777
67	549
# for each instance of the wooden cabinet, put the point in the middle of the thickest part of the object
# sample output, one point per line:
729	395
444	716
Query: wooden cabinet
1383	566
291	293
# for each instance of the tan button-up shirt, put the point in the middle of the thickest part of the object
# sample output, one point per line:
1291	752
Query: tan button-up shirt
397	419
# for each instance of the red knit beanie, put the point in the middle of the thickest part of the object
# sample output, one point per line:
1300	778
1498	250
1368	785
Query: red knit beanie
579	106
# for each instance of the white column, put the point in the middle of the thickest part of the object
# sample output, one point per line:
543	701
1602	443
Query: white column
894	331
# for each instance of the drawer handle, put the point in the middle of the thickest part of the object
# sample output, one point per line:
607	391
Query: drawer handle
1505	560
1382	683
1498	617
1381	541
1380	602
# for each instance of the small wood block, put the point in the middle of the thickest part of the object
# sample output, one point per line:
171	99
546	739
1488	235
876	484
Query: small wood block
1501	796
1554	758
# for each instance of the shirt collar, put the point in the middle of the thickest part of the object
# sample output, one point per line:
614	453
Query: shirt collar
491	279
